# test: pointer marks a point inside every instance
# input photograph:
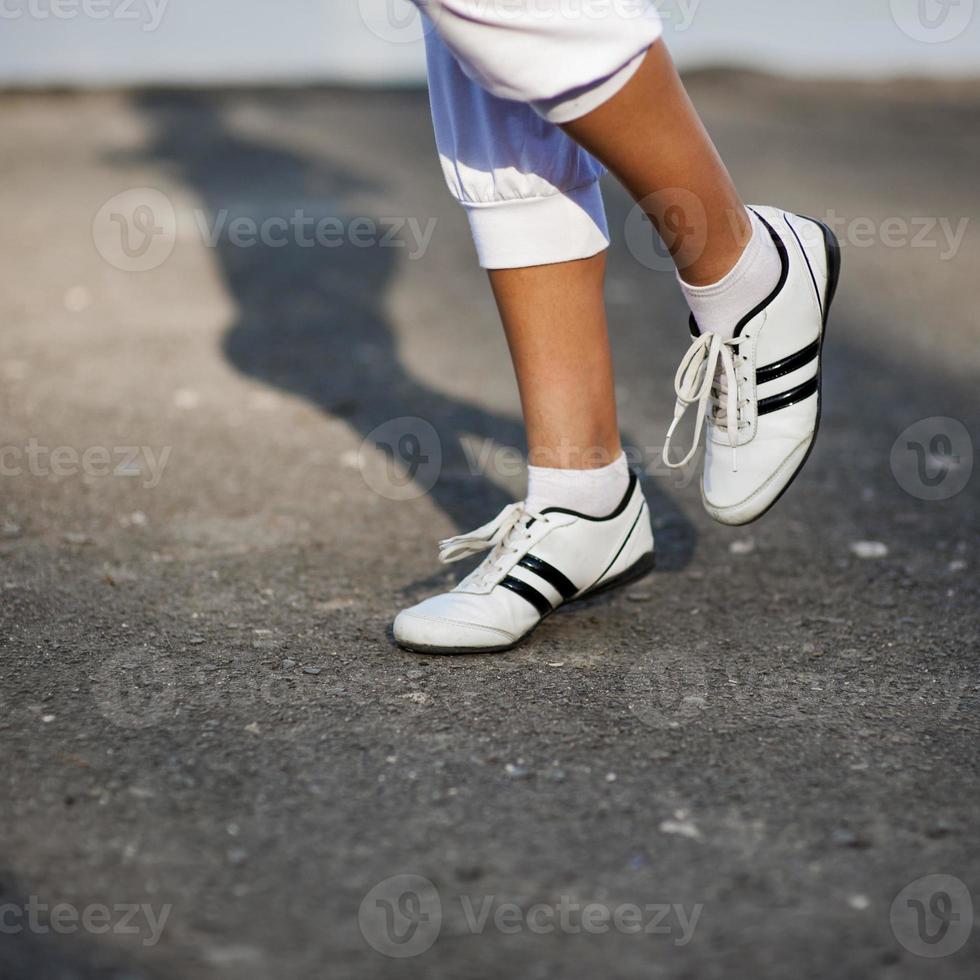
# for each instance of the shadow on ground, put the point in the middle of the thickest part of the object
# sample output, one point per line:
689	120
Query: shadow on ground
39	943
311	320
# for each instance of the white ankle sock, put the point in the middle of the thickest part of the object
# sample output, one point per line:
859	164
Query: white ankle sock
720	306
593	492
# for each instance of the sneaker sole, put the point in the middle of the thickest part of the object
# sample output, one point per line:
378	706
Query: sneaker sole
640	568
832	246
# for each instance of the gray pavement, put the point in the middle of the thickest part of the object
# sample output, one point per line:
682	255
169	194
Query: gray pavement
738	767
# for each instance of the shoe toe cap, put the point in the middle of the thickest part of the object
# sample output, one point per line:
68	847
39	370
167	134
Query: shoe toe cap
429	628
743	495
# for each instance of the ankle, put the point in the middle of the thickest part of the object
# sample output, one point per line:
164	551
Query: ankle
723	250
588	454
718	306
595	492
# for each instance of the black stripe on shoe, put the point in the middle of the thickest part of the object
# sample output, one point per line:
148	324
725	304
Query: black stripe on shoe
562	585
528	593
788	364
775	402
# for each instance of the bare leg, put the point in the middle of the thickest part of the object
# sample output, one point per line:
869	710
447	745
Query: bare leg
651	138
555	320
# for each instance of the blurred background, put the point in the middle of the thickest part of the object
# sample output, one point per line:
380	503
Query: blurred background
375	42
250	374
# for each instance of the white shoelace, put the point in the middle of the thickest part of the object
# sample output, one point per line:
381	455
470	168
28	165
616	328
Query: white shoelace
708	375
505	535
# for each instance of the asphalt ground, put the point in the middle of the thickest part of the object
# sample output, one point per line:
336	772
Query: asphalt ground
215	761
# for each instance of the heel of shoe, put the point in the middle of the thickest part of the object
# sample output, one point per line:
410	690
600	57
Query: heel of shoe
833	267
640	568
832	246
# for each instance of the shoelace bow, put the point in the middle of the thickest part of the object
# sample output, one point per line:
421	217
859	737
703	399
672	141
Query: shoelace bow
707	376
501	537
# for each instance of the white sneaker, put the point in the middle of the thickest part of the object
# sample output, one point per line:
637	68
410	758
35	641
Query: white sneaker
537	563
763	385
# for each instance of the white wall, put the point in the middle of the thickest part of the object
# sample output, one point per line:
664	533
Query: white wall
119	41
